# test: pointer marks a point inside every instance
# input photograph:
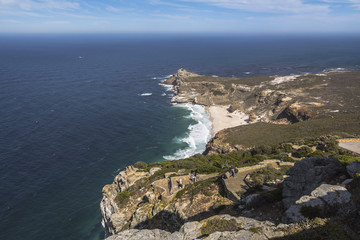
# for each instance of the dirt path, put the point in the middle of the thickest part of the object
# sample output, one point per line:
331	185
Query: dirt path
350	144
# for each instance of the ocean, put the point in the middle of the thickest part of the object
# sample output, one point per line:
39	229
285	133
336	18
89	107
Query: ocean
76	109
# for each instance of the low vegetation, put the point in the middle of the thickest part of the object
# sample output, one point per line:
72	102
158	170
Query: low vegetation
256	134
320	229
140	165
217	224
121	197
268	174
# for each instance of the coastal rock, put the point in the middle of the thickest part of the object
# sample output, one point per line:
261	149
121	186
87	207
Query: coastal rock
217	146
250	229
113	220
326	200
295	113
306	175
135	234
353	168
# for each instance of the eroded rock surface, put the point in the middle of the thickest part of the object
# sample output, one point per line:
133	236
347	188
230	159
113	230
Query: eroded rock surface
307	175
327	200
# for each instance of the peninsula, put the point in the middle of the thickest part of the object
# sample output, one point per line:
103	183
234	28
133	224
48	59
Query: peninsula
273	169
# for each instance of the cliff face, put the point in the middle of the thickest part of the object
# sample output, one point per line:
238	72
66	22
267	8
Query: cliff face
136	200
112	216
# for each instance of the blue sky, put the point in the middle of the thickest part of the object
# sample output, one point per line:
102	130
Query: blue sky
195	16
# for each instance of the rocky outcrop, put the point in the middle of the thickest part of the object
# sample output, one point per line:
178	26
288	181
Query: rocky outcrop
132	201
249	229
217	146
325	201
353	168
112	217
307	175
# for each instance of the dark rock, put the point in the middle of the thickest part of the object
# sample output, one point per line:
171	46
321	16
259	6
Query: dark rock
353	168
306	175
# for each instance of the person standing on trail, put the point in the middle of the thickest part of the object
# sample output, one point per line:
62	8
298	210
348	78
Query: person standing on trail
180	183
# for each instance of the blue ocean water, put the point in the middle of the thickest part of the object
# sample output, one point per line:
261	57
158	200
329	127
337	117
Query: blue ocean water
74	109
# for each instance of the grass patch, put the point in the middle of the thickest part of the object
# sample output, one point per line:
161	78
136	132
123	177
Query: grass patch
140	165
320	229
345	159
268	174
263	133
121	197
217	224
255	229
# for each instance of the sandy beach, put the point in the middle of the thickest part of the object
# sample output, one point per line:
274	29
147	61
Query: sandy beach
222	119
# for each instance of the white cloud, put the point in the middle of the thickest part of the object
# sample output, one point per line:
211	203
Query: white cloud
352	3
29	5
9	21
118	10
268	6
57	22
169	16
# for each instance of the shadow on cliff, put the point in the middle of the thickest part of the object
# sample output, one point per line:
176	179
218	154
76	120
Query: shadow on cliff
325	229
171	222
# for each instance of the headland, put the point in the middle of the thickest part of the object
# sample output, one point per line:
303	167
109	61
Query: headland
273	169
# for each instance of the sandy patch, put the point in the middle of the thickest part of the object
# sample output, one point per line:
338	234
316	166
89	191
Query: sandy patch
279	80
222	119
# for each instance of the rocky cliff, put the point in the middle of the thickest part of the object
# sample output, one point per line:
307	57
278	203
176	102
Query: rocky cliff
162	201
195	214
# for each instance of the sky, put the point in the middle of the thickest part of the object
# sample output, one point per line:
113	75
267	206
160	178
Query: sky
180	16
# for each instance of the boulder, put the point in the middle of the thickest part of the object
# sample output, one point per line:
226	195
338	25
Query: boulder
251	199
328	199
306	175
353	168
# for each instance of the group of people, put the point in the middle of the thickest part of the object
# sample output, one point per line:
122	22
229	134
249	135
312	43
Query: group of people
193	176
129	168
232	173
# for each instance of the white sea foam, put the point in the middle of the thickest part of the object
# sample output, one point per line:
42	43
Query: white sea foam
145	94
333	69
198	135
163	94
167	87
247	73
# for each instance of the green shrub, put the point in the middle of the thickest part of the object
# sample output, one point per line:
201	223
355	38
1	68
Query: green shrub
262	149
302	152
266	174
317	153
288	159
219	225
140	165
206	169
122	196
287	147
255	229
345	159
